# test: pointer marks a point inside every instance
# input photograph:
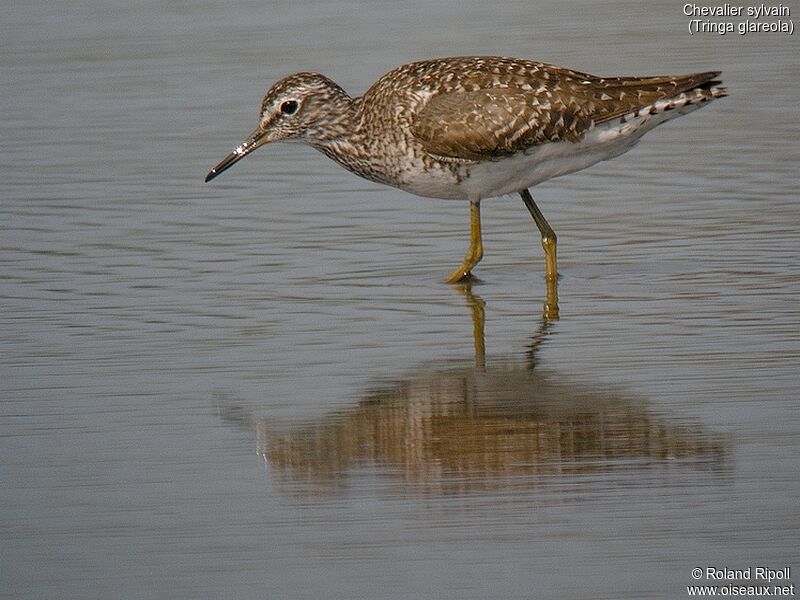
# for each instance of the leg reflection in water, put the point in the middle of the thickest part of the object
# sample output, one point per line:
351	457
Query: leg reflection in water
477	425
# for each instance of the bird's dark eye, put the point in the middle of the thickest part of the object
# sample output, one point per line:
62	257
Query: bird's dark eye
289	107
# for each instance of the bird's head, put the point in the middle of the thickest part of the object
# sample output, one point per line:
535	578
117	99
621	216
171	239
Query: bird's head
304	107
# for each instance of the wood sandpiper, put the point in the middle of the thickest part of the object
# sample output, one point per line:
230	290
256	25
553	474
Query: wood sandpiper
475	127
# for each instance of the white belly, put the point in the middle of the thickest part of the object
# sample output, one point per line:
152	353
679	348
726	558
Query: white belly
523	170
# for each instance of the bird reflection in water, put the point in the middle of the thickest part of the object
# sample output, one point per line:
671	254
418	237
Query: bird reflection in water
463	427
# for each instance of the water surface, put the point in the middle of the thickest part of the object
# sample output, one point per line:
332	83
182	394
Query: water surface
262	388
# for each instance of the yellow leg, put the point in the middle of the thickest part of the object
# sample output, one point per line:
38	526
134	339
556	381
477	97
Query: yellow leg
550	309
475	251
549	239
549	242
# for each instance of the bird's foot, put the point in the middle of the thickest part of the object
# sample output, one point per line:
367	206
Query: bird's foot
460	275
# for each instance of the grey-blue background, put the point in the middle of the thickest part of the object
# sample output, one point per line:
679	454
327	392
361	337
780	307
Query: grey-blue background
262	388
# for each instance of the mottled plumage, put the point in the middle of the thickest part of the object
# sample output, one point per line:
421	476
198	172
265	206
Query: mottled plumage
474	127
524	103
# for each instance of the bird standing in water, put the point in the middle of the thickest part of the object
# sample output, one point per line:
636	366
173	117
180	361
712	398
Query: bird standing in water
475	127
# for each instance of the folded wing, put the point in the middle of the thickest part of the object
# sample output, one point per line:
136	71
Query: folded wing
547	105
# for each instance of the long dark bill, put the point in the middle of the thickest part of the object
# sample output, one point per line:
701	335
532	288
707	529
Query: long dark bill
253	141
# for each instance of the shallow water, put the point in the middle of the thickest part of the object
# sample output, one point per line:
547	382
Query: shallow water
261	387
